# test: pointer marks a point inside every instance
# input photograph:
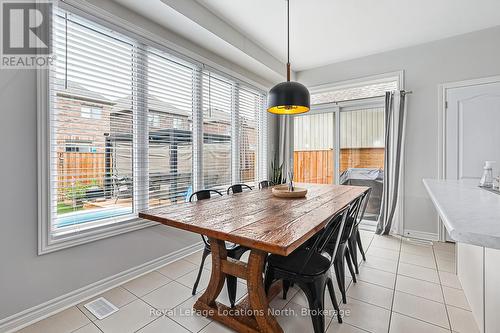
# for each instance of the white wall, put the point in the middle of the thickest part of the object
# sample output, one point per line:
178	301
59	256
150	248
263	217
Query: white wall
464	57
27	279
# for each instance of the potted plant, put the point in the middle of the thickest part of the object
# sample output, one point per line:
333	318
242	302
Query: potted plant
277	172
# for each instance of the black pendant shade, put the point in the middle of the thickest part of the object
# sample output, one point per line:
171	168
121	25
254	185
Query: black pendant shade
288	98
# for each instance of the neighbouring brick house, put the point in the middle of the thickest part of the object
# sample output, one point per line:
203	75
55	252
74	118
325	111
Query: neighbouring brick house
89	124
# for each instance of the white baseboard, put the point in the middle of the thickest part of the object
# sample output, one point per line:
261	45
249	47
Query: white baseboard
368	225
44	310
421	235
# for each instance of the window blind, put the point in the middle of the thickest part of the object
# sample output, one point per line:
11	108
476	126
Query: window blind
355	92
170	103
249	104
94	69
134	127
217	127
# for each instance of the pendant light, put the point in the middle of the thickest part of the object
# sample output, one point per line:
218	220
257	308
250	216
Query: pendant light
288	97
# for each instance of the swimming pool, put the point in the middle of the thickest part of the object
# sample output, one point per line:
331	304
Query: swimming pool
83	217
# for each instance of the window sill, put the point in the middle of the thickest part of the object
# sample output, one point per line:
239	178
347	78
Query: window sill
66	239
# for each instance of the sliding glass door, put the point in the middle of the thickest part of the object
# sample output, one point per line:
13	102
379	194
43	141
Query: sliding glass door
342	143
361	156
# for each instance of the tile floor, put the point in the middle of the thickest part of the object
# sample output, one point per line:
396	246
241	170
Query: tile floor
403	287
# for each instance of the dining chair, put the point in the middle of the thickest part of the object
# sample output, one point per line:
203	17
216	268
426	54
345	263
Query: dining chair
342	254
355	239
237	188
265	184
233	251
309	268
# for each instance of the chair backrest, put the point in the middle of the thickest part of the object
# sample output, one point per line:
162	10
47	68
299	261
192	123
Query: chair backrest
364	204
265	184
237	188
351	218
203	194
331	234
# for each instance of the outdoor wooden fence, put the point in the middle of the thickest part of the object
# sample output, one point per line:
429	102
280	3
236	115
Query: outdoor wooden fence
81	168
317	166
313	166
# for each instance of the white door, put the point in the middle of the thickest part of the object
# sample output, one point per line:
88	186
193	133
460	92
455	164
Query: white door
472	130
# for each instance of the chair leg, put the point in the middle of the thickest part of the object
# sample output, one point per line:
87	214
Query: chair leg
286	286
339	274
268	279
315	293
231	288
349	265
360	246
232	281
329	283
206	252
354	251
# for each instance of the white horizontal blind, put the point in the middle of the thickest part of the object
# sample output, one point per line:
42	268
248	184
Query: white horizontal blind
132	127
93	71
170	104
355	92
217	126
250	105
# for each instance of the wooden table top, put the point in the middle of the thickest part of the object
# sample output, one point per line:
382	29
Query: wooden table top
258	220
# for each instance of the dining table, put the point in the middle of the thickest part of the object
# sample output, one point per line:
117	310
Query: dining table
264	224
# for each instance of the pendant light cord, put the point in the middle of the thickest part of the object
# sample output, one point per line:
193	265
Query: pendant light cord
288	29
288	39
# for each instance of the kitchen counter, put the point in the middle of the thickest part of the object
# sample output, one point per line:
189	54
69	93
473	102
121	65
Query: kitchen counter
470	214
472	217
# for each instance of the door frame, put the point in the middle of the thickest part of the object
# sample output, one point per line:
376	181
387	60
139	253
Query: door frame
442	109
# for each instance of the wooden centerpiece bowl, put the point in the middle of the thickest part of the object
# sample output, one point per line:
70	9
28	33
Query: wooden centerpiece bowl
281	191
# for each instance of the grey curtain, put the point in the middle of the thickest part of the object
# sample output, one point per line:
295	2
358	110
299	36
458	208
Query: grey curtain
395	119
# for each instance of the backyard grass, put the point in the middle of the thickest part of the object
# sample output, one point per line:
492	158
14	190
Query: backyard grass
65	208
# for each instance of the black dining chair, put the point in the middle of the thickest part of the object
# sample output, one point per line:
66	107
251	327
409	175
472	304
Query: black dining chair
355	239
265	184
342	254
237	188
233	251
309	268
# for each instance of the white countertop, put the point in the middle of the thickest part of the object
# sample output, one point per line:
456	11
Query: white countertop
470	214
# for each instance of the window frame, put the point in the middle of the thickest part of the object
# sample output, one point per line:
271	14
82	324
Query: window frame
100	229
46	242
91	114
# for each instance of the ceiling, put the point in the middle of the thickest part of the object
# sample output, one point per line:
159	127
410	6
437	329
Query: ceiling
324	31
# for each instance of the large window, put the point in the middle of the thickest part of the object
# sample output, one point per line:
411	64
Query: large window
131	127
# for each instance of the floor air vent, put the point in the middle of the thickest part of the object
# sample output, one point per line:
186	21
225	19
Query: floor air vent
101	308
